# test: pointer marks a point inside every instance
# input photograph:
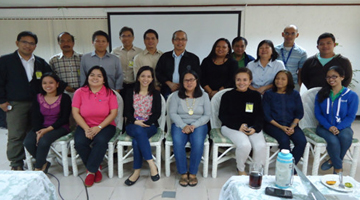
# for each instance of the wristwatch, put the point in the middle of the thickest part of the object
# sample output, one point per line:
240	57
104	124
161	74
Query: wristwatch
100	127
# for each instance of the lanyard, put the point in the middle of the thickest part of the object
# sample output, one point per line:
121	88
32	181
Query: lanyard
283	57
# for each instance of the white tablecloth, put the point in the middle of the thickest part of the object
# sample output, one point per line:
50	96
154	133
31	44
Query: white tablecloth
237	187
26	185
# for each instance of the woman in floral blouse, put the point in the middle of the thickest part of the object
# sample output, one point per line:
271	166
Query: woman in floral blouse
142	111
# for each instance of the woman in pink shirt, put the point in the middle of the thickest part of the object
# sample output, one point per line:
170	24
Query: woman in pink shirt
94	108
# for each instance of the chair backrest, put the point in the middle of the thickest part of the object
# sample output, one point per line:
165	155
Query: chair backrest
308	100
168	120
119	120
215	107
162	117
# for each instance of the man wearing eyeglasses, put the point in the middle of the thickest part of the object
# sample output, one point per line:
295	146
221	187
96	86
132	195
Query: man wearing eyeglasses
126	54
67	63
20	74
315	67
292	55
173	64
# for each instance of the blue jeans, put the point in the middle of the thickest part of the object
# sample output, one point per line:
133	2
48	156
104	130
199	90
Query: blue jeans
40	151
196	140
298	138
337	145
140	142
93	156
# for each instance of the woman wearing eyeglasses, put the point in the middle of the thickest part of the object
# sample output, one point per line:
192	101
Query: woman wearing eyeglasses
189	110
335	109
218	69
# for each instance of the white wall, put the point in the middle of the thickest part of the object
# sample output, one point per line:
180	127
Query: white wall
258	23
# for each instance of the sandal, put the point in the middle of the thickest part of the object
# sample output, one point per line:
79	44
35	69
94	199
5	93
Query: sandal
184	181
193	181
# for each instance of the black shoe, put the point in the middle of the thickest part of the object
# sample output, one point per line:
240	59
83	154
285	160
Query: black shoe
128	182
155	177
17	168
47	167
326	165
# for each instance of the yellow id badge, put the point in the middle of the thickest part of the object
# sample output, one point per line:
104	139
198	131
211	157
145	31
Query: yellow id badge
38	74
131	63
249	108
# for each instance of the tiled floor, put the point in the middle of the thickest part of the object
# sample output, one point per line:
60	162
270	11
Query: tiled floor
71	188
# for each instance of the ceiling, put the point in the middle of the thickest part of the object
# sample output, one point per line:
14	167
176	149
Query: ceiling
119	3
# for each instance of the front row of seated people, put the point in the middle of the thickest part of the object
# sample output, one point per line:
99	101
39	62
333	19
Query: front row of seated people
242	113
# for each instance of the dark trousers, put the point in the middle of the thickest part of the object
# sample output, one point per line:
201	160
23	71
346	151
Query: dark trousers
298	138
19	124
92	152
140	142
126	88
2	119
337	145
40	151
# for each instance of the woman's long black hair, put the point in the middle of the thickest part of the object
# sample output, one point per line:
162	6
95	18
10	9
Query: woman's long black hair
151	87
62	84
324	92
103	72
197	91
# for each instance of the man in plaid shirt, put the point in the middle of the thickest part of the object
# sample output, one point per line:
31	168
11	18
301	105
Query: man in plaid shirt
67	63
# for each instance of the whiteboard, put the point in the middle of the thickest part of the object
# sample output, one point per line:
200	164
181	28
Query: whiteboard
202	28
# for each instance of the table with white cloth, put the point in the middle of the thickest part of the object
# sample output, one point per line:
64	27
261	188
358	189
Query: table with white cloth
237	187
26	185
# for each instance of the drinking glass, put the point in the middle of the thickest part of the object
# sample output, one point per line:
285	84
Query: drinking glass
255	175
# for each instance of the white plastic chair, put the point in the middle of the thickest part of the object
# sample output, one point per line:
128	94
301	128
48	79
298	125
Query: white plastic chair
169	158
54	153
111	144
155	141
318	145
219	140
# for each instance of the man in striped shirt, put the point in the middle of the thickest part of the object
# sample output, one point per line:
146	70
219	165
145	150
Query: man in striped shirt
292	54
67	63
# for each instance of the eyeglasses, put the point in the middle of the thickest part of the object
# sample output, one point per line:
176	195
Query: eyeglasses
180	39
28	43
126	36
189	80
331	77
292	34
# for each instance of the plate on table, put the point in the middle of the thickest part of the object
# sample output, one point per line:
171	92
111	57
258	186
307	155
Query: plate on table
333	177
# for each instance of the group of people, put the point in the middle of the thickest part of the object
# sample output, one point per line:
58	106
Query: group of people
264	97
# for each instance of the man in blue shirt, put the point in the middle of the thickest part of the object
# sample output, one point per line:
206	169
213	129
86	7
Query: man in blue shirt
173	64
292	55
102	58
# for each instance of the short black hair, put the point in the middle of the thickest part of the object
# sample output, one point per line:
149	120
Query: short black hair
62	84
237	39
290	84
100	33
125	28
197	91
67	33
244	70
178	31
27	33
326	35
274	54
151	31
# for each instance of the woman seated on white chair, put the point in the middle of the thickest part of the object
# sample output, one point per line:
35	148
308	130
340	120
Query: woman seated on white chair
50	119
283	110
189	111
94	108
142	110
242	118
335	109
